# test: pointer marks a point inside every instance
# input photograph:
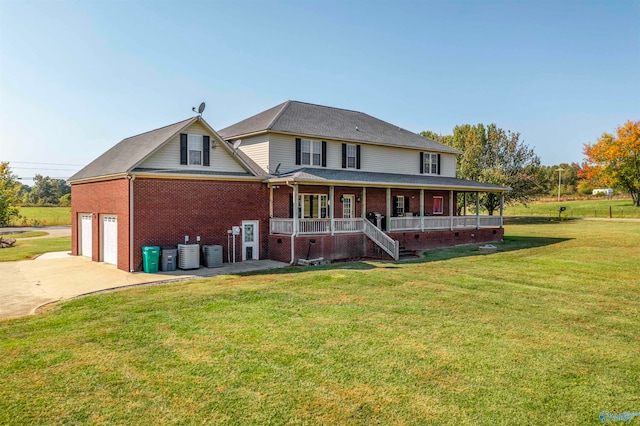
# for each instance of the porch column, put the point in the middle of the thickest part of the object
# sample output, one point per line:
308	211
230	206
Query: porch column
422	209
451	210
464	202
477	210
363	208
501	208
295	210
271	201
331	200
388	210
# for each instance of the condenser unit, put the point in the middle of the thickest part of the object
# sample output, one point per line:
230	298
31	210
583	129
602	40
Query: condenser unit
188	256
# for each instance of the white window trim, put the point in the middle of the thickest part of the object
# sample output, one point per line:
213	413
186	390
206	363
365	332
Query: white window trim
352	153
441	205
430	159
323	203
400	213
194	141
315	149
348	202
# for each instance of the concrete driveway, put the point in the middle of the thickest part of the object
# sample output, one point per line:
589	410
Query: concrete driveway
52	277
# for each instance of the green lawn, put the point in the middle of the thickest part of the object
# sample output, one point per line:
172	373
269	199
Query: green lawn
27	248
586	208
43	216
543	332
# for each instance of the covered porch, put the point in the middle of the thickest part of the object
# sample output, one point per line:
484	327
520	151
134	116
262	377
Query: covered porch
381	206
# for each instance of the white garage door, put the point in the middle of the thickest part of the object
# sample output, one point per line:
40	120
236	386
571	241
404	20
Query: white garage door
110	239
85	234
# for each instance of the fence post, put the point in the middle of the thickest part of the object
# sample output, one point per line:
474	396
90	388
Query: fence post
609	212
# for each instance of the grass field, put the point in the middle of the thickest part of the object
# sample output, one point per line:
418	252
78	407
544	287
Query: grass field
587	208
28	248
43	216
543	332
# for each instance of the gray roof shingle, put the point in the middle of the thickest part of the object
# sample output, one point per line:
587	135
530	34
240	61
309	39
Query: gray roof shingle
319	121
122	157
352	177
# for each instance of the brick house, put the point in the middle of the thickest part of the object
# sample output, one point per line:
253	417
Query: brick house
300	180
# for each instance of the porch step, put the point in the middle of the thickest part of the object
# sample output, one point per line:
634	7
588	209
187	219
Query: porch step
406	254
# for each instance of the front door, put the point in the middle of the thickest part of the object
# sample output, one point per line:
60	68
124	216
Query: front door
250	246
347	206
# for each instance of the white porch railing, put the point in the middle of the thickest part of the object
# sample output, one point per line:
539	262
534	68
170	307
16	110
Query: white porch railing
386	243
314	226
405	223
282	226
396	224
490	221
347	226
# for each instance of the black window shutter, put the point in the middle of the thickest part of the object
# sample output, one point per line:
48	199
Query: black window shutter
438	163
406	204
205	151
395	205
357	156
324	154
183	148
421	162
344	155
298	152
290	205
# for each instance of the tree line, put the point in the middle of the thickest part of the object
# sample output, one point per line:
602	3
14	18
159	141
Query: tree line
493	155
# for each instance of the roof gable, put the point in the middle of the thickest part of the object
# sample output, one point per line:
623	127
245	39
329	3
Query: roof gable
132	151
305	119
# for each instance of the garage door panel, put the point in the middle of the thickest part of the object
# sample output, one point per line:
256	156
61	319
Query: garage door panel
86	239
109	239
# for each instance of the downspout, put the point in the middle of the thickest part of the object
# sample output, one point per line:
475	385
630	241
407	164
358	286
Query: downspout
295	221
131	178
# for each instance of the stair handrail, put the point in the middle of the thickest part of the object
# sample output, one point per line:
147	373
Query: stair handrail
385	242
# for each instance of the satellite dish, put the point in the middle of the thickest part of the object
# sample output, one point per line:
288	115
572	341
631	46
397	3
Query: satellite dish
236	144
200	108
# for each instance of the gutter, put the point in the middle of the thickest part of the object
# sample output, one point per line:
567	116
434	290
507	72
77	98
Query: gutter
131	178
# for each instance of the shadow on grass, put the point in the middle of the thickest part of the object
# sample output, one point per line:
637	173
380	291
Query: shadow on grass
509	244
535	220
432	255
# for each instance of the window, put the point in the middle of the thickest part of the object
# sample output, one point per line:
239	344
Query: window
438	205
347	206
430	163
195	149
312	206
311	153
399	206
351	156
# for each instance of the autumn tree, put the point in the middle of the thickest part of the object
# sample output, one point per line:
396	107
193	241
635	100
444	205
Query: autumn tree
493	155
9	194
614	160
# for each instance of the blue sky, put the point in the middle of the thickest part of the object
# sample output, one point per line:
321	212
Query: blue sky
77	77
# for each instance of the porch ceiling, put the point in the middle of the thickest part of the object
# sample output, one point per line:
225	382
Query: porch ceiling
317	176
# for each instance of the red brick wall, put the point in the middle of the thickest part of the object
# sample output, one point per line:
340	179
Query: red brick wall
98	198
168	209
446	238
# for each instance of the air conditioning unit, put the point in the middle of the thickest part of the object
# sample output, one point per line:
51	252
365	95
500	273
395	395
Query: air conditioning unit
188	256
212	256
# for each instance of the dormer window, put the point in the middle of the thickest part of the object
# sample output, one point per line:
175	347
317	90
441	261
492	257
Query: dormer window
194	150
429	163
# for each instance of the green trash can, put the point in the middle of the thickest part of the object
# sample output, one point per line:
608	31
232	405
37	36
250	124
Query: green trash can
150	258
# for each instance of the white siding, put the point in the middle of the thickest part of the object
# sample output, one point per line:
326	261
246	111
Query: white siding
282	150
168	156
257	148
374	158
